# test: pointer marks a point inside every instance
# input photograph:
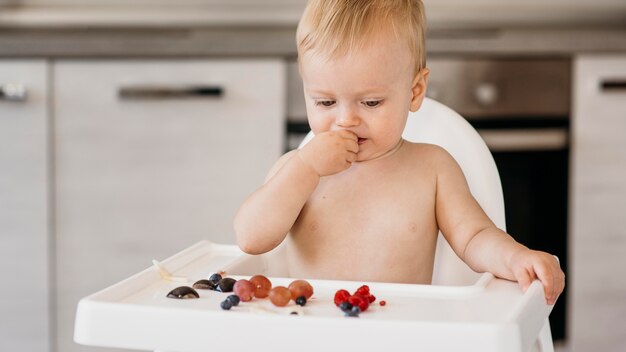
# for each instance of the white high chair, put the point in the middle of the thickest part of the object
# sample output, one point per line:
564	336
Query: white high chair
461	311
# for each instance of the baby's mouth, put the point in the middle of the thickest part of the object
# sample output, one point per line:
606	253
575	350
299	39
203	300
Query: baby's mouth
361	140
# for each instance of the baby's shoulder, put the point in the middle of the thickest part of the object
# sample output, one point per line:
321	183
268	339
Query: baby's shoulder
428	153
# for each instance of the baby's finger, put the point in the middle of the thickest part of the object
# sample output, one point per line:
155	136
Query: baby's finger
548	280
523	277
352	146
351	157
349	135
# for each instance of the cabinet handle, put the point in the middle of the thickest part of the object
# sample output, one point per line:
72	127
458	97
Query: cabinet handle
160	93
13	92
613	85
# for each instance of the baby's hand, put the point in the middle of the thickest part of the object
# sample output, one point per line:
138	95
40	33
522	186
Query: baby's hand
527	265
331	152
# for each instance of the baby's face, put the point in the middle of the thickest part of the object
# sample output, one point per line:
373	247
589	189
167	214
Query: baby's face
369	92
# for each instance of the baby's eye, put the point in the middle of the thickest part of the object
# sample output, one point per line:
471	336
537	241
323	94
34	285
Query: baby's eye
325	103
372	103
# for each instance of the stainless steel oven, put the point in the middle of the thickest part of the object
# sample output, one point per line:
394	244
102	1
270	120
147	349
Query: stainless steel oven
521	108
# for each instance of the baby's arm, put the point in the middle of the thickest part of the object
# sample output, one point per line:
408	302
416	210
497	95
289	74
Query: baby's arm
484	247
267	215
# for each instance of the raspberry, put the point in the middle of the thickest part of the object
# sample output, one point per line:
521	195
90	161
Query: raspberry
371	298
341	296
359	301
363	291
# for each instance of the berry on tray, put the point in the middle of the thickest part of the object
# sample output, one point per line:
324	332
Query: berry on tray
280	296
244	289
301	301
215	278
354	312
234	299
226	304
183	292
359	301
382	303
300	288
345	306
341	296
262	286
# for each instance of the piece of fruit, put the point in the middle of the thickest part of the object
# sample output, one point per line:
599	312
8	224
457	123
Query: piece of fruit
301	301
225	285
234	299
215	278
345	306
262	285
354	312
341	296
226	304
183	292
359	301
372	298
244	289
280	296
300	288
363	291
204	285
382	303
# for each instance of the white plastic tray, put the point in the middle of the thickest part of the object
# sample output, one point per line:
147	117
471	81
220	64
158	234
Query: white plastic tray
491	315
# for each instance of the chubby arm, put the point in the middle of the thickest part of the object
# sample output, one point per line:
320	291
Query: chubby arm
266	216
479	243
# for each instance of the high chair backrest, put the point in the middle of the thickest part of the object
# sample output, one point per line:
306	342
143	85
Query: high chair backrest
435	123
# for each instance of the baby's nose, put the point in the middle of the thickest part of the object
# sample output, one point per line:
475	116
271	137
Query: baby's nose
347	118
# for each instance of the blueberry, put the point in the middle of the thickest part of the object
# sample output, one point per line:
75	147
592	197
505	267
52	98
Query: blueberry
301	301
234	299
225	285
345	306
226	304
293	313
354	312
215	278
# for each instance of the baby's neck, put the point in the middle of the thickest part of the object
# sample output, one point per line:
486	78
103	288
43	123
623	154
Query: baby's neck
386	154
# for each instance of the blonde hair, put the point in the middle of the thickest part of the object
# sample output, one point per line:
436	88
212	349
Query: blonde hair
337	27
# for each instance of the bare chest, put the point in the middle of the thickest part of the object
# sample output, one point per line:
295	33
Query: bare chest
383	228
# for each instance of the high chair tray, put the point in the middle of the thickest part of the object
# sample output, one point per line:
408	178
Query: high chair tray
491	315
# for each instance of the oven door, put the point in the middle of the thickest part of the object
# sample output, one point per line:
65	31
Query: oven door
533	166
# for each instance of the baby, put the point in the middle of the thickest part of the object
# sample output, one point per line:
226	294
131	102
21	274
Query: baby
358	202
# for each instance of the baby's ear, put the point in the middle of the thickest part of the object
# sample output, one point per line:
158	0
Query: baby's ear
420	83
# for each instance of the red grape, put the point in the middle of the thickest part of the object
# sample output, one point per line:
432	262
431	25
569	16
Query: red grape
262	286
244	289
300	288
280	296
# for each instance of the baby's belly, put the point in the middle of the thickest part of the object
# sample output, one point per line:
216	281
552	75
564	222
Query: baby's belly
404	258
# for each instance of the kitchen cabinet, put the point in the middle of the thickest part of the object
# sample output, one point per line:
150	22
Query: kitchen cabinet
151	157
24	211
598	224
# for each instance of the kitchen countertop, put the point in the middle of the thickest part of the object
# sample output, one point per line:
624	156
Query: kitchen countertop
554	29
225	41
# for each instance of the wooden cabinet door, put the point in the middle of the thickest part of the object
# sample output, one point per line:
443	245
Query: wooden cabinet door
151	157
598	221
24	225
